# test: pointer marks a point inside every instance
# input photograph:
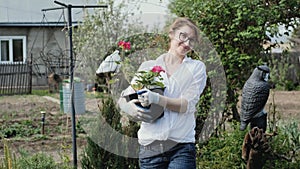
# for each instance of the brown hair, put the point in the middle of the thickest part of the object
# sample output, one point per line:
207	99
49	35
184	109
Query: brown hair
183	21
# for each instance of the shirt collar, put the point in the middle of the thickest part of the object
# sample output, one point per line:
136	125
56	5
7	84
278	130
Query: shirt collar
186	59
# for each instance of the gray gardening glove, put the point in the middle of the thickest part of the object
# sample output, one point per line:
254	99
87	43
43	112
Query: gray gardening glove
147	97
136	112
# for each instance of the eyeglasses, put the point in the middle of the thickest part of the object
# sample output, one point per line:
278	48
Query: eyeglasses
184	38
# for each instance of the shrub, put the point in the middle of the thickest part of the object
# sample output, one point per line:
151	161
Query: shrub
285	148
225	151
37	161
9	161
94	156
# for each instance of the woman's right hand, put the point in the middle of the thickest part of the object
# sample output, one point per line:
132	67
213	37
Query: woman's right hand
136	112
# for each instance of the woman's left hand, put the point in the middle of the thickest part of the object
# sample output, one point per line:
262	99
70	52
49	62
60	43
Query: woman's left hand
147	97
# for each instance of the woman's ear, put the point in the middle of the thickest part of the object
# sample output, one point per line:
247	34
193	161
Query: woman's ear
171	34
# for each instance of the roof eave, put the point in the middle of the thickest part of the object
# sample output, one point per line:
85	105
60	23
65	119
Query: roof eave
36	24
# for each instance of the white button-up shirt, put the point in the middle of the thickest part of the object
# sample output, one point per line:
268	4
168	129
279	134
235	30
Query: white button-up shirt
187	82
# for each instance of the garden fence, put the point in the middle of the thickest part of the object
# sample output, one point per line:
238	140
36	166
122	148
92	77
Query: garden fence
15	78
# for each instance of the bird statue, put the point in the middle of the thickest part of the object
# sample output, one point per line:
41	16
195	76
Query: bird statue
255	94
110	63
108	66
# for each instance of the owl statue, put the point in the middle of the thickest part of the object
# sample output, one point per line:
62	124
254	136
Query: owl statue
254	98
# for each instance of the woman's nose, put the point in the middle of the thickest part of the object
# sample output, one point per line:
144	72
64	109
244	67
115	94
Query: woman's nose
187	43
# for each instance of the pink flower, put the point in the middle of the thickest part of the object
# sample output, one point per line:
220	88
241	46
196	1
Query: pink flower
148	79
124	45
157	69
127	45
121	43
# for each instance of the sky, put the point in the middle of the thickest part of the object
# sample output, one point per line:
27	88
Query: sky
153	13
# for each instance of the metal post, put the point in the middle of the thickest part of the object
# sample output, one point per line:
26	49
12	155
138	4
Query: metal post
69	7
72	87
43	122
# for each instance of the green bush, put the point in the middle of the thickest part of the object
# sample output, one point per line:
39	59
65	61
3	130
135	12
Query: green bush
21	129
9	160
28	161
94	156
37	161
285	146
225	151
237	30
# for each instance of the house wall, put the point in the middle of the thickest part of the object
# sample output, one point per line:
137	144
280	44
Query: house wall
48	47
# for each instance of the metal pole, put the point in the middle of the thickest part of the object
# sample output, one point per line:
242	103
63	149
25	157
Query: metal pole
69	7
72	88
43	122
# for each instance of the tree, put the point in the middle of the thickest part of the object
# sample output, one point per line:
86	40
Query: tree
98	32
94	39
238	31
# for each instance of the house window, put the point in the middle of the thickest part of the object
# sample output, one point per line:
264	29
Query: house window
12	49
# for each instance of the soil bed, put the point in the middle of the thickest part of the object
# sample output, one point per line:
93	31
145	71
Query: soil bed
57	140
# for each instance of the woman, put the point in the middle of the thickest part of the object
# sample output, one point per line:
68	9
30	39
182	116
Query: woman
169	141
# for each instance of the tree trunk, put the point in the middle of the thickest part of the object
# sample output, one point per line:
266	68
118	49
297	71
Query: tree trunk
232	100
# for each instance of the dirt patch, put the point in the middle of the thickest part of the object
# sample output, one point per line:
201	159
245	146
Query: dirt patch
287	104
57	140
21	121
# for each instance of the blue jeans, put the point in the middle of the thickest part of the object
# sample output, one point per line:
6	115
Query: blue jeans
160	156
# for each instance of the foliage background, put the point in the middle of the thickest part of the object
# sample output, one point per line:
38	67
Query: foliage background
238	31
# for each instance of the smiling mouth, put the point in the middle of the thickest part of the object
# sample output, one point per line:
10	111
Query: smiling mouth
185	47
